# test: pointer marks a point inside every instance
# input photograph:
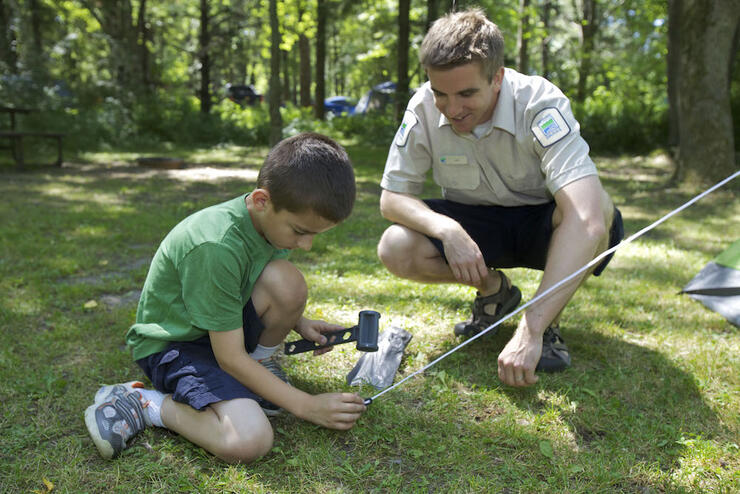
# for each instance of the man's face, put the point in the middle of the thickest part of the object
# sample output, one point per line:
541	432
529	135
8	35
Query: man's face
286	230
464	95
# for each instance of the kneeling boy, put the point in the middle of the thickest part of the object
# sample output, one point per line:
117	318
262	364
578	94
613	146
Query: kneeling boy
218	300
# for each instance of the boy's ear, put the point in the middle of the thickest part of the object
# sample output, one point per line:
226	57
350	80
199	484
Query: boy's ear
260	198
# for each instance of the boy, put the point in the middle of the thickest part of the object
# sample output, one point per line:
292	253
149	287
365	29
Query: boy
218	300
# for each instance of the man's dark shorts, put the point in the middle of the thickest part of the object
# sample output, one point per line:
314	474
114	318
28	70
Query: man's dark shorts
189	370
513	237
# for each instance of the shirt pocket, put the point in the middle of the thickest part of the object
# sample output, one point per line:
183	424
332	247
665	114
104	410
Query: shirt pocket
525	179
456	172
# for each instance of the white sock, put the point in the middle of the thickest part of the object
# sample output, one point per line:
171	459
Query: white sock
153	408
263	352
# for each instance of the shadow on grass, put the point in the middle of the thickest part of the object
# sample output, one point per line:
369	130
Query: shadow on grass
626	408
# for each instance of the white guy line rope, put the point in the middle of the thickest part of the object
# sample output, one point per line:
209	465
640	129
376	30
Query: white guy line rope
563	281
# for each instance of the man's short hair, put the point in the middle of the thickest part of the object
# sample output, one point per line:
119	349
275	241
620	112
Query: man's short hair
309	172
463	37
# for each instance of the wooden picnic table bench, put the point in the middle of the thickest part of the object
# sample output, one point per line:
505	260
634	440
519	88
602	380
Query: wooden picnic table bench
16	136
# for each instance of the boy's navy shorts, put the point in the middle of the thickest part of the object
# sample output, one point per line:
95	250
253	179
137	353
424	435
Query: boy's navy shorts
513	237
189	371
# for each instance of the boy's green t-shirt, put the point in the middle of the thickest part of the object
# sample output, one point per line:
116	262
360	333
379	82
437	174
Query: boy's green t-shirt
201	277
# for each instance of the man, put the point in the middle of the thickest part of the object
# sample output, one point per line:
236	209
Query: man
519	190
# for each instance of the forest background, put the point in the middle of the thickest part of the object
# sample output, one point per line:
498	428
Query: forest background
642	75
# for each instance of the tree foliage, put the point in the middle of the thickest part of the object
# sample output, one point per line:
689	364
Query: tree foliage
130	70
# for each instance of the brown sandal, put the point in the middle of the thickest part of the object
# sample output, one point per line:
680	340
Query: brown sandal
505	301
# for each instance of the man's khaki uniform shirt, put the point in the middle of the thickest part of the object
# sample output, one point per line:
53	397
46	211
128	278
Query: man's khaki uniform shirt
529	149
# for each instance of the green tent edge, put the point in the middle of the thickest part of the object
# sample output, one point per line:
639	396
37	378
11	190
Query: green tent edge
730	257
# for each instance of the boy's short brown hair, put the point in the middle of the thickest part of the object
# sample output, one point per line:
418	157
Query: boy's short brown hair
309	172
459	38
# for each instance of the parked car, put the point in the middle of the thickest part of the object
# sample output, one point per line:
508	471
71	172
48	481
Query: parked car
243	94
339	104
378	98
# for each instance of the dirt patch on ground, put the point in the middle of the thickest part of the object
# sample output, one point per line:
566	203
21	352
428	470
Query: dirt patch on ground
116	301
97	279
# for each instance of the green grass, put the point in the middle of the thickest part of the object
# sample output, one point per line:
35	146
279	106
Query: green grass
651	403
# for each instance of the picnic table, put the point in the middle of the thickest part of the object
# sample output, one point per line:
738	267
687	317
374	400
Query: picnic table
16	136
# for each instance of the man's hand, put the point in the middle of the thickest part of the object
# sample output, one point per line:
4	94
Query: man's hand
464	257
334	410
519	358
313	331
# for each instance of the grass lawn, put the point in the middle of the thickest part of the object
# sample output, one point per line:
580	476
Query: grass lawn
651	404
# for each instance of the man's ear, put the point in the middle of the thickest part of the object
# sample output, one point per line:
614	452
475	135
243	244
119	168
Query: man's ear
498	77
260	198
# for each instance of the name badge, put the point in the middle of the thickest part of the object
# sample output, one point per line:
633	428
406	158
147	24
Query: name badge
453	159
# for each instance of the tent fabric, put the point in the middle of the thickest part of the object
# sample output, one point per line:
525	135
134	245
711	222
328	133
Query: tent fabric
730	257
717	285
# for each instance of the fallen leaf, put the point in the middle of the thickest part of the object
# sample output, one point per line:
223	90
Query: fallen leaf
546	449
90	304
49	485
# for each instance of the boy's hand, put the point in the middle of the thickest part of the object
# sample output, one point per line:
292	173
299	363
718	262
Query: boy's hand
312	331
334	410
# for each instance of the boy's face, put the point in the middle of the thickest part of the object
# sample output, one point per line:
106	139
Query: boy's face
286	230
464	95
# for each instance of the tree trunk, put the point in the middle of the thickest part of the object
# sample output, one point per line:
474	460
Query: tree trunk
318	104
116	20
673	72
705	54
204	57
295	74
304	48
589	27
145	36
276	120
523	36
8	53
432	13
36	55
285	66
304	51
402	87
546	39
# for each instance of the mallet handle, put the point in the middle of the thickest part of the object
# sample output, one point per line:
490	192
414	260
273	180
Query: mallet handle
333	338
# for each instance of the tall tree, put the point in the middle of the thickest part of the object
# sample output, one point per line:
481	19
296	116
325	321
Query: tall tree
523	37
9	38
673	69
37	40
404	29
706	49
276	120
320	91
117	21
304	51
589	21
545	47
204	57
145	38
432	13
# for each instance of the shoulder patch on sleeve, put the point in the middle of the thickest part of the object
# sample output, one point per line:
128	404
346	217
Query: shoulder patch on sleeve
402	135
549	127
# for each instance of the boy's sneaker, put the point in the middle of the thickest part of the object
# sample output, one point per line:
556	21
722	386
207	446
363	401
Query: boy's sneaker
555	355
488	310
116	416
272	364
